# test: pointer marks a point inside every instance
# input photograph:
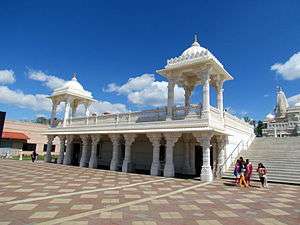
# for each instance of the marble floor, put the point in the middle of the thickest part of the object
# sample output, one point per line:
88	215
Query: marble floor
40	193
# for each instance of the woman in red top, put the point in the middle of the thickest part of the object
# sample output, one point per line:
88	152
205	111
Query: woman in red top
249	170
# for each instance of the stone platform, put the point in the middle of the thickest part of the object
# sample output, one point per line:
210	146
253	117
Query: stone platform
40	193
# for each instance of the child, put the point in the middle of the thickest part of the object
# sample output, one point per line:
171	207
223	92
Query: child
262	173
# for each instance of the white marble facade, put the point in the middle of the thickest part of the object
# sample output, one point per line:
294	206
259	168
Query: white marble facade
162	141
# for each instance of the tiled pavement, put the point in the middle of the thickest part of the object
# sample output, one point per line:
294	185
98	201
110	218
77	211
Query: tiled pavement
55	194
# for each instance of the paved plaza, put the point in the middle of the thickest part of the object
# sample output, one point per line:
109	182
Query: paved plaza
43	193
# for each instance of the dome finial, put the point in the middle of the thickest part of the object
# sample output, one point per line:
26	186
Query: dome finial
74	76
195	38
196	43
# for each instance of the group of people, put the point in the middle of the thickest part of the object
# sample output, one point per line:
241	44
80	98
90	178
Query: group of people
243	172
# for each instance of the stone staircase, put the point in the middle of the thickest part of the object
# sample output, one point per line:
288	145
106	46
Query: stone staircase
281	157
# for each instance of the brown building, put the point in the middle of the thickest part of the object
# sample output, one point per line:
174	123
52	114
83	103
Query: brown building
25	136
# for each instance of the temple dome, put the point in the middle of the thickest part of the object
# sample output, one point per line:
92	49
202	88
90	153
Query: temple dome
270	117
195	53
73	87
193	50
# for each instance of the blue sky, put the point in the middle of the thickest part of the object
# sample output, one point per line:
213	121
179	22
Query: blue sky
108	42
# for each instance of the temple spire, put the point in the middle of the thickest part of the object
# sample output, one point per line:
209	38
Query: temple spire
196	43
74	76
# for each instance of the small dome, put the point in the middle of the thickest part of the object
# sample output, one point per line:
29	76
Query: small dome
297	104
193	50
73	87
195	53
270	117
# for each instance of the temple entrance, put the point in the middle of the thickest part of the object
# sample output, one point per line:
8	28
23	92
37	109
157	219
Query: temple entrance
76	154
199	159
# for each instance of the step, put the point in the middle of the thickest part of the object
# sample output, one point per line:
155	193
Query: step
271	180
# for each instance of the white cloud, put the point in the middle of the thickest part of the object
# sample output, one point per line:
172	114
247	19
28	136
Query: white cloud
40	103
294	99
50	81
37	102
7	77
144	90
290	70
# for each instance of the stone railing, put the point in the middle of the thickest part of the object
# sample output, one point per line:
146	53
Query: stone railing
237	123
283	126
155	115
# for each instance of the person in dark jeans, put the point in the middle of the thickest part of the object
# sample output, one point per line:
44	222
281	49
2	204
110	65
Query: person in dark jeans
33	156
262	173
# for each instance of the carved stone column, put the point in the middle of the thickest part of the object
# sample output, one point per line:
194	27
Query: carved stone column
93	163
171	139
206	172
222	140
127	164
171	86
206	95
85	144
215	151
220	90
49	148
53	113
67	111
155	139
87	112
69	150
62	140
115	138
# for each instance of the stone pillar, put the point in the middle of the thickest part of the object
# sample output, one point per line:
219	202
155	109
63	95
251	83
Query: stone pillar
187	98
171	86
62	140
49	148
155	139
206	172
220	90
69	150
67	111
53	114
171	139
215	151
206	95
127	164
87	112
115	138
221	156
93	163
74	108
85	144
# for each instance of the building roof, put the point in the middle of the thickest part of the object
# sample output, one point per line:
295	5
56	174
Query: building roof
14	136
193	53
73	87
